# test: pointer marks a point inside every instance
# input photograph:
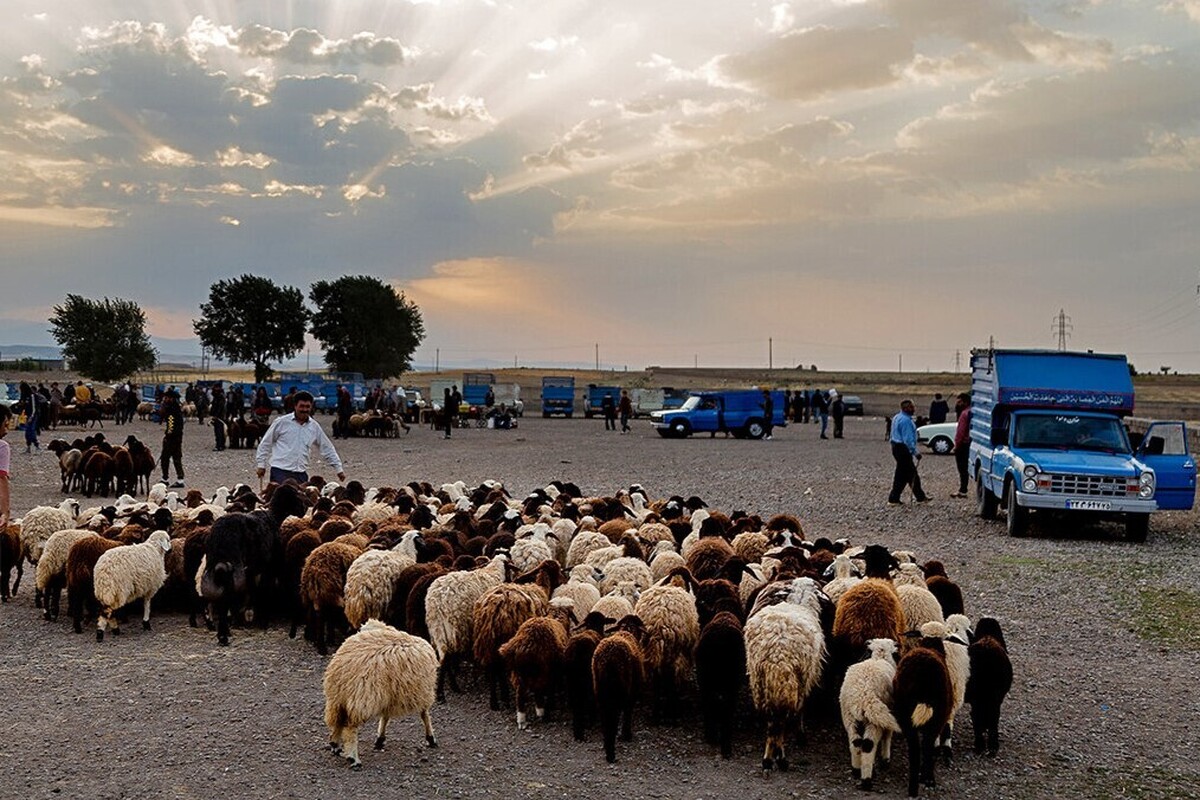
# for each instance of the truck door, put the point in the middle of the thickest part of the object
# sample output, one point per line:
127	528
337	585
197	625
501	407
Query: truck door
1164	449
704	415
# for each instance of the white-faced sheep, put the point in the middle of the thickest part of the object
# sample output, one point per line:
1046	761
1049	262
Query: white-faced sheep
617	676
991	678
866	700
449	610
51	574
125	574
370	579
378	672
532	547
672	624
844	577
785	655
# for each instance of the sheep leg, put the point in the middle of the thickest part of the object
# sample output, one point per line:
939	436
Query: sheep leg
55	599
382	734
146	613
221	609
913	739
928	758
945	743
350	747
427	721
17	582
867	759
75	608
101	623
885	748
522	701
319	627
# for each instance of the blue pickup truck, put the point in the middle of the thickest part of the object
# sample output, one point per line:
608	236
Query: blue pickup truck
558	395
1047	434
739	412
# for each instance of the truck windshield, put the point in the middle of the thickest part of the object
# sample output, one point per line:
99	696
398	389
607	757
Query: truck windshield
690	403
1071	432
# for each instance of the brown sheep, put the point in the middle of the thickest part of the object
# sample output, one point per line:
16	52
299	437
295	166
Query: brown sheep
295	552
618	670
708	556
402	587
614	529
81	560
581	646
322	583
923	700
868	610
10	556
498	614
535	657
414	607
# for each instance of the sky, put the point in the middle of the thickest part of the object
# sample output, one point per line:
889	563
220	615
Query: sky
859	185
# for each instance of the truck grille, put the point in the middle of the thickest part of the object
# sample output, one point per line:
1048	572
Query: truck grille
1088	485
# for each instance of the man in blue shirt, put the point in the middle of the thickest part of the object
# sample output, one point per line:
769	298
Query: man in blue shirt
904	450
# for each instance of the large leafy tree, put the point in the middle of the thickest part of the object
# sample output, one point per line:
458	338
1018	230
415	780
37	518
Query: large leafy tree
250	320
365	325
103	339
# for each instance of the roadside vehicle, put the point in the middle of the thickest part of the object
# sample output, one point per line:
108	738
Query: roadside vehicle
737	411
594	399
938	437
475	386
1047	434
558	395
853	405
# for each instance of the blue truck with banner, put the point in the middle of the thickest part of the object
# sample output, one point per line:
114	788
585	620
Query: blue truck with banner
739	412
558	395
1048	434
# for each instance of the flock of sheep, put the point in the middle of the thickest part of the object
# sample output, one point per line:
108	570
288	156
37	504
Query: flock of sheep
605	601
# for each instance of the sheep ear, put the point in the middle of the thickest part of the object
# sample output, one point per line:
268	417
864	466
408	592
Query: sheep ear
957	640
551	535
912	634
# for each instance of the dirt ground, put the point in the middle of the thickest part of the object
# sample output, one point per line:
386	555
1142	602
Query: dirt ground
1104	636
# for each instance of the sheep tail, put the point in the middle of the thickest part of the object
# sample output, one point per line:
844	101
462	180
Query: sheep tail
922	713
877	713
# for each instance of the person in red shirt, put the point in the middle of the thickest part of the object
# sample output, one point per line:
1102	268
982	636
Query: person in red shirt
962	441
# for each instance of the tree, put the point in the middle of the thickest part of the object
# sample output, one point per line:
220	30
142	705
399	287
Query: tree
365	325
103	339
250	320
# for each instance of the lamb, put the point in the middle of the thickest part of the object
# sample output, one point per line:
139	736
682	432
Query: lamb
535	657
81	562
991	678
785	654
617	678
321	590
581	646
10	556
51	574
924	698
382	672
449	613
498	614
40	523
672	625
125	574
866	700
720	669
370	579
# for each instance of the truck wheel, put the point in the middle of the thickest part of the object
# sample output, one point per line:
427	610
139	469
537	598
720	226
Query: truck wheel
545	415
985	501
754	429
569	414
1136	527
941	445
587	415
1018	517
681	429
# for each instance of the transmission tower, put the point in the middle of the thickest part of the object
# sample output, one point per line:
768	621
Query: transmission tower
957	360
1062	328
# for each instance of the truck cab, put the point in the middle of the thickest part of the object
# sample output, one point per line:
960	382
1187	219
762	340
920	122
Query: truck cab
1048	435
737	412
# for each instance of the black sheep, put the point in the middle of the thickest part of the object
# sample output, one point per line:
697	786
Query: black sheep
720	671
581	693
991	678
923	702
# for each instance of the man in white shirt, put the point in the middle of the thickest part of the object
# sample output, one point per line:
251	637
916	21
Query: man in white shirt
286	445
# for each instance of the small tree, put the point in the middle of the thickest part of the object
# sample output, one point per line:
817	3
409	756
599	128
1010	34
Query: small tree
250	320
365	325
103	339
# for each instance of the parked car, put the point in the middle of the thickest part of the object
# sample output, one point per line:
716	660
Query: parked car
938	437
853	405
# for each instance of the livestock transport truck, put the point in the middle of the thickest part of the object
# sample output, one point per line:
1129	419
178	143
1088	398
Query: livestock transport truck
558	395
1048	434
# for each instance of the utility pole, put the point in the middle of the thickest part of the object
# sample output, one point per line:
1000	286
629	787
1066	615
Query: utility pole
695	361
1062	327
514	362
770	353
597	356
957	360
437	360
900	360
991	343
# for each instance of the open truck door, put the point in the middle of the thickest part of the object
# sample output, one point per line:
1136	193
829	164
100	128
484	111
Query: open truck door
1164	448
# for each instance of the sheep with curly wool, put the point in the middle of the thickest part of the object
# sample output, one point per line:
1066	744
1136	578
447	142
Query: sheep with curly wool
618	672
581	588
498	614
619	602
40	524
322	590
378	672
449	614
750	546
664	563
370	579
129	573
991	678
50	576
785	655
866	704
708	556
672	624
626	569
535	657
584	543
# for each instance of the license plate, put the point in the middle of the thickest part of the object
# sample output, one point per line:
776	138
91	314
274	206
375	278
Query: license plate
1089	505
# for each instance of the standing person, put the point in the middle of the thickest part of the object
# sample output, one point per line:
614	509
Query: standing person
289	401
28	405
489	399
56	403
820	407
837	408
449	410
69	395
172	446
625	408
345	408
787	406
5	467
939	409
401	408
237	402
455	403
286	445
262	404
904	450
608	407
768	407
83	394
800	406
962	441
218	417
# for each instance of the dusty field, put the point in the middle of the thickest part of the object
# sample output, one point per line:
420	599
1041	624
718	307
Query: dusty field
1104	637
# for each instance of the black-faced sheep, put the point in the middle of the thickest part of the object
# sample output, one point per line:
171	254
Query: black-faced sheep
720	671
617	676
581	695
923	700
991	678
125	574
378	672
866	700
947	592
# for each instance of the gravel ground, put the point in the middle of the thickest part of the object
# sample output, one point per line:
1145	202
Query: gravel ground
167	713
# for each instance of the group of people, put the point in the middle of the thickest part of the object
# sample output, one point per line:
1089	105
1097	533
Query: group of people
41	406
611	408
902	436
817	406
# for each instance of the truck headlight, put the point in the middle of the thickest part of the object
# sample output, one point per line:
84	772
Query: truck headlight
1031	471
1146	485
1029	484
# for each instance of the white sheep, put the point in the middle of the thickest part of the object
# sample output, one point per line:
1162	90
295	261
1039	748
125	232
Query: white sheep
664	563
785	654
581	589
583	544
371	577
373	512
157	494
626	568
532	546
449	609
125	574
619	602
51	573
866	703
41	522
843	580
378	672
672	625
919	606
